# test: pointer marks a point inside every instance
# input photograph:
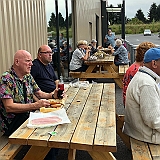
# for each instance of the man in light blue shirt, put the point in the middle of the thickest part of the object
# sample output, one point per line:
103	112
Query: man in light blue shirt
110	39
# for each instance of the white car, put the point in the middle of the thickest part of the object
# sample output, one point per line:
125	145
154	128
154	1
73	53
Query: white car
147	32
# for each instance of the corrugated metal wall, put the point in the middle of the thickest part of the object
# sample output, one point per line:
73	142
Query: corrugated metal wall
84	19
22	26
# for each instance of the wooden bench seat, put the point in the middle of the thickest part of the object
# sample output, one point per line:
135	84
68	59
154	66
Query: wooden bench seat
144	151
140	150
8	151
119	126
75	74
122	69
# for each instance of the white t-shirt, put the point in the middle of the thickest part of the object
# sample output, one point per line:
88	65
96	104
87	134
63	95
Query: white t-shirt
76	61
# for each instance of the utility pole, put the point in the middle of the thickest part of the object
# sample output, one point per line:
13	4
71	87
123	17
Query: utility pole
123	19
67	33
57	30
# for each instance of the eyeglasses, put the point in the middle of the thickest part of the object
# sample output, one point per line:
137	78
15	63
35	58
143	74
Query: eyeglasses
47	52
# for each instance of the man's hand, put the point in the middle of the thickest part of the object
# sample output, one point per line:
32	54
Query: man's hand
42	103
54	94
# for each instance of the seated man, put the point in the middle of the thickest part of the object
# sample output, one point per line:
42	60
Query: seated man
80	55
142	110
17	88
44	75
121	54
43	72
94	47
63	51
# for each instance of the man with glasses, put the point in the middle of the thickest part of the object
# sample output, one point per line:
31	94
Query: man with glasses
142	110
43	72
44	75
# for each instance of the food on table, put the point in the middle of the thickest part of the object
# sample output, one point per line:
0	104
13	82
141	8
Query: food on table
100	54
56	105
92	58
57	101
46	110
46	120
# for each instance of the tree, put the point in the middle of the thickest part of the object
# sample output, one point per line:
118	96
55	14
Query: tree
118	16
69	20
111	16
140	16
52	21
61	21
152	14
135	21
158	12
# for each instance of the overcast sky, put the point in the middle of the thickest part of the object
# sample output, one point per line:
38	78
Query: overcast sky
131	6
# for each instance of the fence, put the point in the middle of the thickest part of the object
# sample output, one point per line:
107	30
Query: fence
132	50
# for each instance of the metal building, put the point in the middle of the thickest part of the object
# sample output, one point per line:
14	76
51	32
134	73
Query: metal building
22	26
87	20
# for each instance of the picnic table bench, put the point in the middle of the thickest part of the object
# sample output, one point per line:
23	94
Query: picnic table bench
140	150
101	68
8	151
144	151
122	69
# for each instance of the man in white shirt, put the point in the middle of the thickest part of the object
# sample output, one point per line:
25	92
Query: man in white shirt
142	111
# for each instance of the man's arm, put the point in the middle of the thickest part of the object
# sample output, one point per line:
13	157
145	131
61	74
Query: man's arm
56	82
10	106
150	107
40	94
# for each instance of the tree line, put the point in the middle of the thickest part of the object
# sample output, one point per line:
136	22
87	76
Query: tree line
114	17
62	21
152	15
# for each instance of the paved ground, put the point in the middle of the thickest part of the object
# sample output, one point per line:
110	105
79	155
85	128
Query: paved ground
122	152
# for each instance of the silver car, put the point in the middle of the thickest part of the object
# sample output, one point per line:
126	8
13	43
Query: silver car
147	32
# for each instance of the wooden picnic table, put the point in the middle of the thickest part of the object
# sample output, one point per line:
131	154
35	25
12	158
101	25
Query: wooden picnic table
101	68
91	111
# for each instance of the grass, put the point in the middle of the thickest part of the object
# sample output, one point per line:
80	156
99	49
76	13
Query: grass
136	29
129	29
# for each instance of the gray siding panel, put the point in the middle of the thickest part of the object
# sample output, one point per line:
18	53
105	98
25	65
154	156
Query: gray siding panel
22	26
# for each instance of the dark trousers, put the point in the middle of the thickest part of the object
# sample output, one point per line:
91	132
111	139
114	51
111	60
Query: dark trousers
81	69
18	120
52	154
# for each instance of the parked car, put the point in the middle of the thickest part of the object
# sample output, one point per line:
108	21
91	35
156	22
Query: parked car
159	34
147	32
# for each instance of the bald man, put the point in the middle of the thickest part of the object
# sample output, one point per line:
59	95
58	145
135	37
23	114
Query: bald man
17	88
43	72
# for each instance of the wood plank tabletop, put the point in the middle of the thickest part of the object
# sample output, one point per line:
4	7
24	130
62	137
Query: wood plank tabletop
65	132
91	111
84	134
105	137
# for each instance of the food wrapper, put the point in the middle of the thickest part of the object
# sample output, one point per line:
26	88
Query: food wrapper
79	84
41	120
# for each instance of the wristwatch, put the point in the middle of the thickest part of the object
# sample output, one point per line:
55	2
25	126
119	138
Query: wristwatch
53	96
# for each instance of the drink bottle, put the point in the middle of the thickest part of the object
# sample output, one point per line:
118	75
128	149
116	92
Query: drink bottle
60	88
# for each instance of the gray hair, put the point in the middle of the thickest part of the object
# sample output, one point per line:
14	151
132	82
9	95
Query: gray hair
118	42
